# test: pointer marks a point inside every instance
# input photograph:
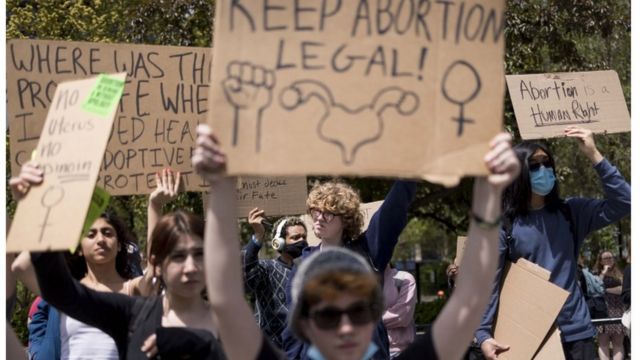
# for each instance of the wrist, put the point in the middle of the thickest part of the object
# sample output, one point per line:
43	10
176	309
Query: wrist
485	222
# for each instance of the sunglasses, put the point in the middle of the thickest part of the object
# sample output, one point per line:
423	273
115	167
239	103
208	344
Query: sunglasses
535	166
317	214
329	318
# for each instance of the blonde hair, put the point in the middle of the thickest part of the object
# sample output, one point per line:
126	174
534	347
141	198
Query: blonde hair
341	199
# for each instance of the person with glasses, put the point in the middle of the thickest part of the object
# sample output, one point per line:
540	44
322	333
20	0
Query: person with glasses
266	279
613	334
549	231
334	207
336	294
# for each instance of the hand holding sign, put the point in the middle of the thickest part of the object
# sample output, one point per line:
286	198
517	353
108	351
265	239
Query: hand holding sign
248	88
30	174
585	142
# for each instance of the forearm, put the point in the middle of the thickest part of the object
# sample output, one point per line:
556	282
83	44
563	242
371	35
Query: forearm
614	290
240	335
154	213
456	323
389	221
23	270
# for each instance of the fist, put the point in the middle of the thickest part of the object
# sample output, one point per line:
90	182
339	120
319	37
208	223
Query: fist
247	86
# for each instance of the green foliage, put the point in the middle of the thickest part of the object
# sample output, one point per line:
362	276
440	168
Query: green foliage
541	36
426	312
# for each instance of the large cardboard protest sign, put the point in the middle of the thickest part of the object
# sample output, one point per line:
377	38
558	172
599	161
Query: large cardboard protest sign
394	88
367	210
69	152
165	97
275	195
545	104
529	305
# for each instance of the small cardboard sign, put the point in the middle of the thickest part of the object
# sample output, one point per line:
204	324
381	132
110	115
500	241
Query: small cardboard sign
358	87
69	151
529	306
367	210
545	104
275	195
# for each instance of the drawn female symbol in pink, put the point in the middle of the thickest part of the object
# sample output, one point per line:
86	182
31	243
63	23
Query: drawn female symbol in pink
51	197
457	82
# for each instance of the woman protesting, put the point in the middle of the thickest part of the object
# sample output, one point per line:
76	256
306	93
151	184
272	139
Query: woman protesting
337	282
549	231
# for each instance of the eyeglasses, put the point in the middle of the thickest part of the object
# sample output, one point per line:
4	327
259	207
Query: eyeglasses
607	258
316	214
535	166
329	318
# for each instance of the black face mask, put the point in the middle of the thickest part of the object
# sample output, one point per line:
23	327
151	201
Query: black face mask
295	250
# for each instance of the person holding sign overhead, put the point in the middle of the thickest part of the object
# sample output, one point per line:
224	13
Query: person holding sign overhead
549	231
334	208
337	281
267	279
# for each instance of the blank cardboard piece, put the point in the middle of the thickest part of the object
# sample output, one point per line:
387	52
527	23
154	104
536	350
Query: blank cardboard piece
545	104
367	210
165	98
551	348
529	305
69	151
419	97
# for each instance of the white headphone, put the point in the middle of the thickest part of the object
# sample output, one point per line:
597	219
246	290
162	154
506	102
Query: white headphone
278	241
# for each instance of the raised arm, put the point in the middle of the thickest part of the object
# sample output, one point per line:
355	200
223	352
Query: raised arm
593	214
21	267
167	189
240	335
388	222
254	275
454	327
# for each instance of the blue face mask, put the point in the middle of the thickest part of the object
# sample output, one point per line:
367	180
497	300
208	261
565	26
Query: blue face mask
314	353
542	181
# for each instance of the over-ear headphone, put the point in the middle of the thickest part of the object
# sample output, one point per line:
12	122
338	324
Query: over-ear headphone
278	241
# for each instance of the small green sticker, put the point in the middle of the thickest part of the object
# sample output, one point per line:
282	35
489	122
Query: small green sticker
104	96
99	202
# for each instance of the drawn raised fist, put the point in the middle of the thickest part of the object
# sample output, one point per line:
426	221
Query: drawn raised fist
248	88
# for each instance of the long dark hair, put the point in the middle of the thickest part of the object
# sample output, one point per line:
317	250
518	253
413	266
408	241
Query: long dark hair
78	265
517	196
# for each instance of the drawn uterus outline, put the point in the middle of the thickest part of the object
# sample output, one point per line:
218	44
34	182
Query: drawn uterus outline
338	120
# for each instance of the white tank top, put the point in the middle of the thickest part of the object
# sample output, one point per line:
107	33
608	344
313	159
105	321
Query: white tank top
79	341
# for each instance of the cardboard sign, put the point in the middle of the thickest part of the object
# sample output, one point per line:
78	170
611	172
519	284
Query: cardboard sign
460	245
165	97
551	348
545	104
529	305
367	210
275	195
69	152
358	87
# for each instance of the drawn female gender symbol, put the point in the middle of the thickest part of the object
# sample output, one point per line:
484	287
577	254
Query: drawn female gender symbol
50	198
461	65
